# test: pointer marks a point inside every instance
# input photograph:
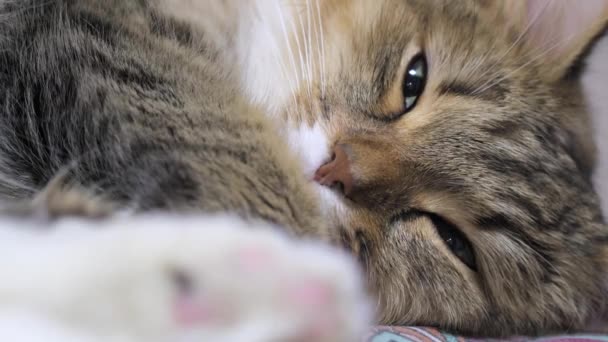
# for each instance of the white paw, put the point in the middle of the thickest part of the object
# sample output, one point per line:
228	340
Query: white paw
191	279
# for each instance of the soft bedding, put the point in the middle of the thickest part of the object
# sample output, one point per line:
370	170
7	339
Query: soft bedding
414	334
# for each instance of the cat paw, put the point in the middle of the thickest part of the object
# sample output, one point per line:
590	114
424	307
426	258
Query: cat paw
221	279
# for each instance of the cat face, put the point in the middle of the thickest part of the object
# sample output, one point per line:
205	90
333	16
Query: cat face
457	163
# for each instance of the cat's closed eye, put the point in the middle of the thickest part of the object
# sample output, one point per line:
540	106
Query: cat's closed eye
458	244
455	240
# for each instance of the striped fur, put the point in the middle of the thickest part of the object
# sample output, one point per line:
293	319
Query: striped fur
149	106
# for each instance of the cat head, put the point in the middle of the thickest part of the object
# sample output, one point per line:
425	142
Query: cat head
452	143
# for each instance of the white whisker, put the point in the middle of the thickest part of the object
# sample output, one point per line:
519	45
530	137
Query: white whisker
532	60
305	55
310	49
290	52
515	43
287	42
322	42
317	35
299	47
285	72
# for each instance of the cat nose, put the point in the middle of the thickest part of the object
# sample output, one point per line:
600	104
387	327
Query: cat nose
337	172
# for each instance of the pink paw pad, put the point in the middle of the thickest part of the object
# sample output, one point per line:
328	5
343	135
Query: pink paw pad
254	259
312	294
188	309
316	298
190	312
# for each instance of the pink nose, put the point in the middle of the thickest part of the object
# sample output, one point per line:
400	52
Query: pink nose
337	172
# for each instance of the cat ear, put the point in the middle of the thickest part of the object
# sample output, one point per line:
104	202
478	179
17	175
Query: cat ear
559	32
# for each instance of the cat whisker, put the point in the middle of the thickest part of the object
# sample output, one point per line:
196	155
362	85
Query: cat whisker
318	55
305	54
299	48
309	49
515	44
531	61
285	74
321	38
287	42
466	58
290	53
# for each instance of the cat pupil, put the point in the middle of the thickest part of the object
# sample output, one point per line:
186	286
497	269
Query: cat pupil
414	82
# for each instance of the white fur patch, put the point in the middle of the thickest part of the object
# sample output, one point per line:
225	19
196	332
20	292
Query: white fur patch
260	30
313	149
77	279
267	77
332	204
311	145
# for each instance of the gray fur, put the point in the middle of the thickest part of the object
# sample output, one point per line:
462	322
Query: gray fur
135	106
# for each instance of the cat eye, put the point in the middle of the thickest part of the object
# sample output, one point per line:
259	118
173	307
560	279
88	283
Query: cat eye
414	81
455	240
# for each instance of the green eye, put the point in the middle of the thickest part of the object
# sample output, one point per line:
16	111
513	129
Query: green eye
414	81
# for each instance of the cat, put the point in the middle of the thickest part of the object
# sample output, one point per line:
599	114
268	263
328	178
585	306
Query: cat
445	144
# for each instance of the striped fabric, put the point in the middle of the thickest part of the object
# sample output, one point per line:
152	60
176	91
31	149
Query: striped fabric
413	334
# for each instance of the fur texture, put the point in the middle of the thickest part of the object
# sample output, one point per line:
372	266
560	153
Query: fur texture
157	105
118	98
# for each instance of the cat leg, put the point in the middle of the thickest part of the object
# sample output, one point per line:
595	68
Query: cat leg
164	278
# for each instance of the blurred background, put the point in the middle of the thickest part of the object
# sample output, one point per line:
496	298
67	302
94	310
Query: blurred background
596	86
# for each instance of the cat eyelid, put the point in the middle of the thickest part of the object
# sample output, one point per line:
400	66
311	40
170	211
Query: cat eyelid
393	102
453	237
406	216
